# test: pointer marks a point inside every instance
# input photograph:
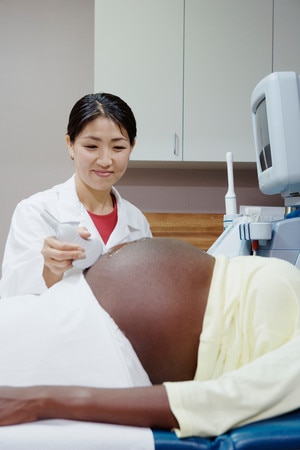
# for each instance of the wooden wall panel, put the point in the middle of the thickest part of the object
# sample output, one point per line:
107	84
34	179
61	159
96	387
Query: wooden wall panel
200	230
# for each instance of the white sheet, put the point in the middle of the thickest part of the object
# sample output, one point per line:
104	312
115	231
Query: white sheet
67	435
65	337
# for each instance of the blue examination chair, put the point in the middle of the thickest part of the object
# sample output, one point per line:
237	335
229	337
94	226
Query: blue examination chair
279	433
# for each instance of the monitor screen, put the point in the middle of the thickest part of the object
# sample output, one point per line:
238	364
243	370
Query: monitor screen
265	157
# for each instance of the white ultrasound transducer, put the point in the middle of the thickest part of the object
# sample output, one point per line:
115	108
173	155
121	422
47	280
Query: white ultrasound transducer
67	232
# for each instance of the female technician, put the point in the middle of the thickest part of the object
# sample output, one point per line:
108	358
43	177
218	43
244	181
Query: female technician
100	137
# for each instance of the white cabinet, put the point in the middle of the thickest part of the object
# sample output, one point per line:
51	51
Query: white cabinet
188	67
286	35
138	56
228	49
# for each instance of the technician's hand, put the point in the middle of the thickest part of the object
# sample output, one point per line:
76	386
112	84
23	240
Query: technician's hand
58	256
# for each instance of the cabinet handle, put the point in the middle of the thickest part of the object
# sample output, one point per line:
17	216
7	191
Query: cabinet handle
176	149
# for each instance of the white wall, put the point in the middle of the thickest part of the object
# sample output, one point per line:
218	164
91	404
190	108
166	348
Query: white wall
46	57
191	190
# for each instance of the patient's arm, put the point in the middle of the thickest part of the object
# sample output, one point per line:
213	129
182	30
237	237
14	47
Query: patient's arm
140	406
276	374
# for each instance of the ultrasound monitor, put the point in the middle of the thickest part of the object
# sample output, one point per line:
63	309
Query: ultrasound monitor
275	104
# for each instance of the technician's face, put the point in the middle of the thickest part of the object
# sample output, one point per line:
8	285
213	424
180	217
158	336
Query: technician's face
101	153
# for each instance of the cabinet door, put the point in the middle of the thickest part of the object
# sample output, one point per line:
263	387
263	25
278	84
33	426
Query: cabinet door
139	56
228	49
287	35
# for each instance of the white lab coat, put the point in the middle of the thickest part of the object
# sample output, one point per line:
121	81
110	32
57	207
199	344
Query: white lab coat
23	262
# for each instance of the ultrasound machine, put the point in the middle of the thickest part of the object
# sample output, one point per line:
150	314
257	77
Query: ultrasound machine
268	231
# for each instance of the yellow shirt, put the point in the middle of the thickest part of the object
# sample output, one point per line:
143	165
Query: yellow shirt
252	309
